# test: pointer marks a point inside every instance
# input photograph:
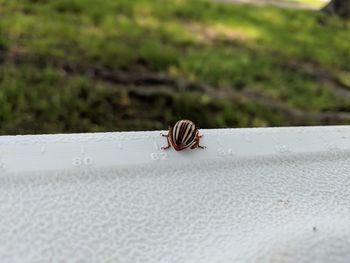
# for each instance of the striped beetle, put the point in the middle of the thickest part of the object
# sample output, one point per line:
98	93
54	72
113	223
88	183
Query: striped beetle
184	134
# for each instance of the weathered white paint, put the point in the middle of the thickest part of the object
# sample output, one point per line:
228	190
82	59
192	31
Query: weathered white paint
254	195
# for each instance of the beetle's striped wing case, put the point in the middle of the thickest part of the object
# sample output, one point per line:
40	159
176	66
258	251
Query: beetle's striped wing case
183	135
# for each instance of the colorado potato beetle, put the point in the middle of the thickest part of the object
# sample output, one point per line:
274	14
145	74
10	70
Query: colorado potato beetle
183	135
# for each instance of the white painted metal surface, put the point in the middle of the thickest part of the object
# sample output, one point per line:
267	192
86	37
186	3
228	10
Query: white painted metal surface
254	195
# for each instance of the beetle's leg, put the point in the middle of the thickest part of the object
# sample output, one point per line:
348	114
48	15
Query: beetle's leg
168	146
166	135
200	146
167	138
197	134
196	145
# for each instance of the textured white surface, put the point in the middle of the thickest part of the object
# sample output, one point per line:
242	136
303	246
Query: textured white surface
254	195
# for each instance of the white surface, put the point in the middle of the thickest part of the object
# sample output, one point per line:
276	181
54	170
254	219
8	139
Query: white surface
254	195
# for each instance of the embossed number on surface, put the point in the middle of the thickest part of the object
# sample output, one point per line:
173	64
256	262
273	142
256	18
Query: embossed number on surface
158	156
83	161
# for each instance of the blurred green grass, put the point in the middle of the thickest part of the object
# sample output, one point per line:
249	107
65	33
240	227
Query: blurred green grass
50	52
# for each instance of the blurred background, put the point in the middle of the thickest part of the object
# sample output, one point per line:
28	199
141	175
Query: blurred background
119	65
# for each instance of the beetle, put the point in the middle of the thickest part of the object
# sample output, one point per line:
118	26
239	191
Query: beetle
183	135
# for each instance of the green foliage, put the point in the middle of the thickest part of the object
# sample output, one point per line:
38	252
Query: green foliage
238	47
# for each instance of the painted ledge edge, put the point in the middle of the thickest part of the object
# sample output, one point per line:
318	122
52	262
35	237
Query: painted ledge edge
31	153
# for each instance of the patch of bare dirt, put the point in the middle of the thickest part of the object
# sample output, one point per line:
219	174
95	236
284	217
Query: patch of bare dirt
148	83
